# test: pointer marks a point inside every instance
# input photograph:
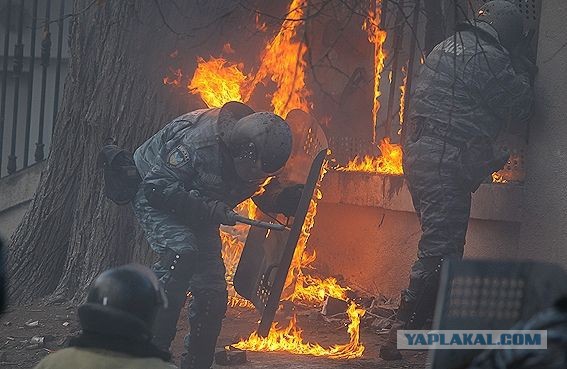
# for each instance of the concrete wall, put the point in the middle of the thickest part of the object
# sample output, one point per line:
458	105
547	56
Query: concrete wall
16	192
544	229
366	229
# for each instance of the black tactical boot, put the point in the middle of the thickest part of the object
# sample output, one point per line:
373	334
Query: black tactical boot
205	318
389	351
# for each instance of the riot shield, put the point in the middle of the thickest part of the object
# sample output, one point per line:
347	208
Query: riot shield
267	255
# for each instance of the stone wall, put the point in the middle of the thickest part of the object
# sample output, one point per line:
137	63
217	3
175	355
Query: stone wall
16	192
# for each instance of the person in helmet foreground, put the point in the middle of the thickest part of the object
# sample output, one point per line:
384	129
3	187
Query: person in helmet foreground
472	86
116	324
194	172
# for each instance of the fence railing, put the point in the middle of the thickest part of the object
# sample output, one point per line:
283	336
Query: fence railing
34	61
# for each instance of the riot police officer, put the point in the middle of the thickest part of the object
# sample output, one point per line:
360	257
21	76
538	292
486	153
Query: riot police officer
470	88
194	171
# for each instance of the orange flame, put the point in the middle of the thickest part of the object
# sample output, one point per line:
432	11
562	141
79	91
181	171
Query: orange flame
283	60
290	339
304	287
390	162
509	173
218	81
260	26
262	187
403	88
174	79
376	36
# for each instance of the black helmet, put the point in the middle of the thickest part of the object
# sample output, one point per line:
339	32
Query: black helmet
506	19
260	145
131	290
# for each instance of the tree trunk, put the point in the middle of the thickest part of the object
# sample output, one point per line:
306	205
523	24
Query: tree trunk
120	52
114	88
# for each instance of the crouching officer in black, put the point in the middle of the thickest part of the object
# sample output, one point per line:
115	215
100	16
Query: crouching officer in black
194	172
116	324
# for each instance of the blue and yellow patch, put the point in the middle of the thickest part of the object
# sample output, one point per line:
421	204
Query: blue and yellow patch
178	156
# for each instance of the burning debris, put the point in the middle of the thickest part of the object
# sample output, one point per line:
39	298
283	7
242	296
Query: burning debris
509	173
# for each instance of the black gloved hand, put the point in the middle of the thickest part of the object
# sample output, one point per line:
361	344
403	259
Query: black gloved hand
221	213
288	200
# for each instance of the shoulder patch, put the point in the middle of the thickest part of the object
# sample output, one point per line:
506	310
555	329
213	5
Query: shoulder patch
178	157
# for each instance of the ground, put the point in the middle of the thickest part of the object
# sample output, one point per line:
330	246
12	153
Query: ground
56	322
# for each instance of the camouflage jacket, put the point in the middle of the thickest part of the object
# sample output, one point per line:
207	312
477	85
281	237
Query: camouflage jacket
188	154
468	82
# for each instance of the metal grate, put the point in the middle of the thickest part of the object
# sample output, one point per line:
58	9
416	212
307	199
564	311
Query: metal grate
33	58
486	297
490	295
344	149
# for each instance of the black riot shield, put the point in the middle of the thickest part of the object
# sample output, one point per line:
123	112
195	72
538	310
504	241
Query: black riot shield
267	255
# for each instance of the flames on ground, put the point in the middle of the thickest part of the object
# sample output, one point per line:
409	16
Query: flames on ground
290	339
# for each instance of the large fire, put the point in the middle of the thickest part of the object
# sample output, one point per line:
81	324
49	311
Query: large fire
300	287
218	81
283	64
283	60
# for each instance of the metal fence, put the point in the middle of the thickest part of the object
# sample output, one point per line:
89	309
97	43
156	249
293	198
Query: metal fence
34	63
